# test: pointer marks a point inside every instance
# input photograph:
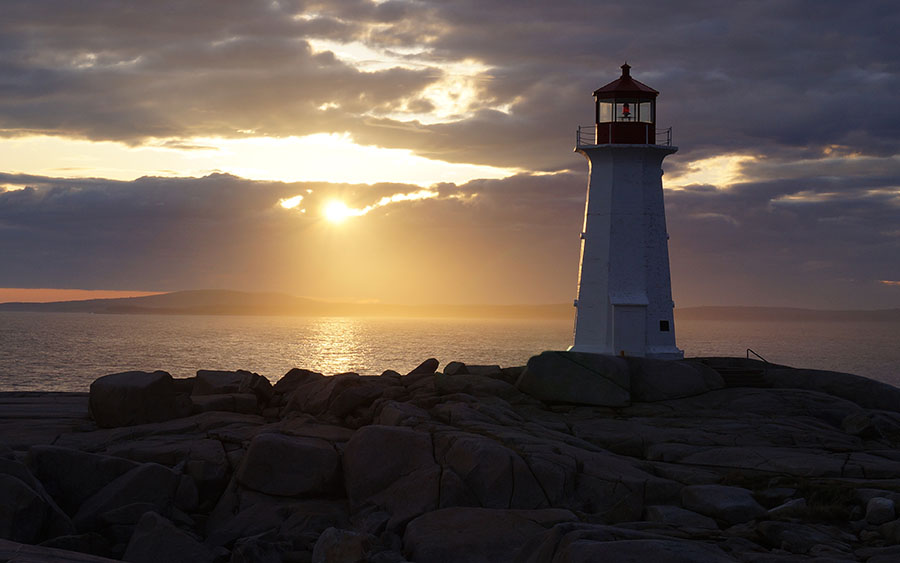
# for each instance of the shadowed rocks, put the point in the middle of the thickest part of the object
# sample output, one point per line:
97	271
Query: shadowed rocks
135	397
575	458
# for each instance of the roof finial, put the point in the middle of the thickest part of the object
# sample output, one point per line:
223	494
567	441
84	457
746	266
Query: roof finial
626	70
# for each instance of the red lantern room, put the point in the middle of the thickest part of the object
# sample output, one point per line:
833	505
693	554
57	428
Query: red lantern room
625	111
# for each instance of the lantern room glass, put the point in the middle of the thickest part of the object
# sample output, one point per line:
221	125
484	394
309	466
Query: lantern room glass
625	110
605	112
645	112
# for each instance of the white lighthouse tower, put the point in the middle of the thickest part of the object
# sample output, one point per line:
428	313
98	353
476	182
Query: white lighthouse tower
624	304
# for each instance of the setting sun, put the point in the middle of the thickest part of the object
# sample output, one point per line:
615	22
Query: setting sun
337	211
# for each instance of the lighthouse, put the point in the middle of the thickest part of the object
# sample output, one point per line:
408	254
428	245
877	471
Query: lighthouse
624	297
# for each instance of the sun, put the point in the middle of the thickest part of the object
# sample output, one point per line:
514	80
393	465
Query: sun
337	211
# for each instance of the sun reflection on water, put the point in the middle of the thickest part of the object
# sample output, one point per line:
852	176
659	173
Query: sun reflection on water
335	343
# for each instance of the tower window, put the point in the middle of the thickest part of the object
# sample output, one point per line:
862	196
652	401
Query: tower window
664	326
605	111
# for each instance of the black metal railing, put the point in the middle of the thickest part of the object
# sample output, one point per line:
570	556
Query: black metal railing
586	136
765	361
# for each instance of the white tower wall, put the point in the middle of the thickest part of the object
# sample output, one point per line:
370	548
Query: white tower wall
624	300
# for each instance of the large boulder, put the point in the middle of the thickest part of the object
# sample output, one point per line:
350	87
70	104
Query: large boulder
149	483
136	397
661	380
213	382
490	473
613	489
294	378
158	539
476	385
577	377
297	521
71	476
863	391
281	465
25	506
333	398
22	511
809	538
429	366
341	546
879	510
733	505
392	468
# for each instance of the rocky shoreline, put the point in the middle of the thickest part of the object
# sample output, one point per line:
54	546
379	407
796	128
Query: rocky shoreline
575	458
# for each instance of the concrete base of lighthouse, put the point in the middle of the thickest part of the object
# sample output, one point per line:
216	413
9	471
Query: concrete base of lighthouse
672	353
624	304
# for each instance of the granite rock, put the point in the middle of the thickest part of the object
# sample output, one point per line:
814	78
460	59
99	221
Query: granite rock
465	466
660	380
157	539
879	510
732	505
135	397
476	535
574	377
281	465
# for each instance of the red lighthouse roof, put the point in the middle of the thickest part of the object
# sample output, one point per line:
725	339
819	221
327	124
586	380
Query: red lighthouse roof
626	85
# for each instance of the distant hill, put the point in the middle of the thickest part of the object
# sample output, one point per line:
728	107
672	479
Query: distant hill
783	314
224	302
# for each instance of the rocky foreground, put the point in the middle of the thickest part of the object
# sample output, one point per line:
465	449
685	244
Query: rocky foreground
575	458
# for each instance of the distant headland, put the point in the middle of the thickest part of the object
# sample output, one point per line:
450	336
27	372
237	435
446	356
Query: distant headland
227	302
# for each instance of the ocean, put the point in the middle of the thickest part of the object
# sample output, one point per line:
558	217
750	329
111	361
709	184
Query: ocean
67	351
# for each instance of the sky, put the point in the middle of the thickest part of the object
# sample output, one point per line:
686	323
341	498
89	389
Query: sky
415	151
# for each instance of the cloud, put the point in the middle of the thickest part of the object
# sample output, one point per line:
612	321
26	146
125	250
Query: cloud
785	115
510	240
744	78
223	231
784	243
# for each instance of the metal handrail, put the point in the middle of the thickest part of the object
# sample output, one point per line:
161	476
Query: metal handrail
765	361
668	135
586	135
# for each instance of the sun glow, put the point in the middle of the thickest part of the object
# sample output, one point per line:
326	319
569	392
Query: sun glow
291	202
720	171
315	158
338	212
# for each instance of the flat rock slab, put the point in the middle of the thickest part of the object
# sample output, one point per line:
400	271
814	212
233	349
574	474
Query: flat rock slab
14	551
661	380
863	391
577	377
477	535
31	418
43	405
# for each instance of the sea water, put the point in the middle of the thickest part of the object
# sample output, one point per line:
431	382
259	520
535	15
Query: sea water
66	351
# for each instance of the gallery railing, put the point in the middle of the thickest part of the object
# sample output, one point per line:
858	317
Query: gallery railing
586	136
